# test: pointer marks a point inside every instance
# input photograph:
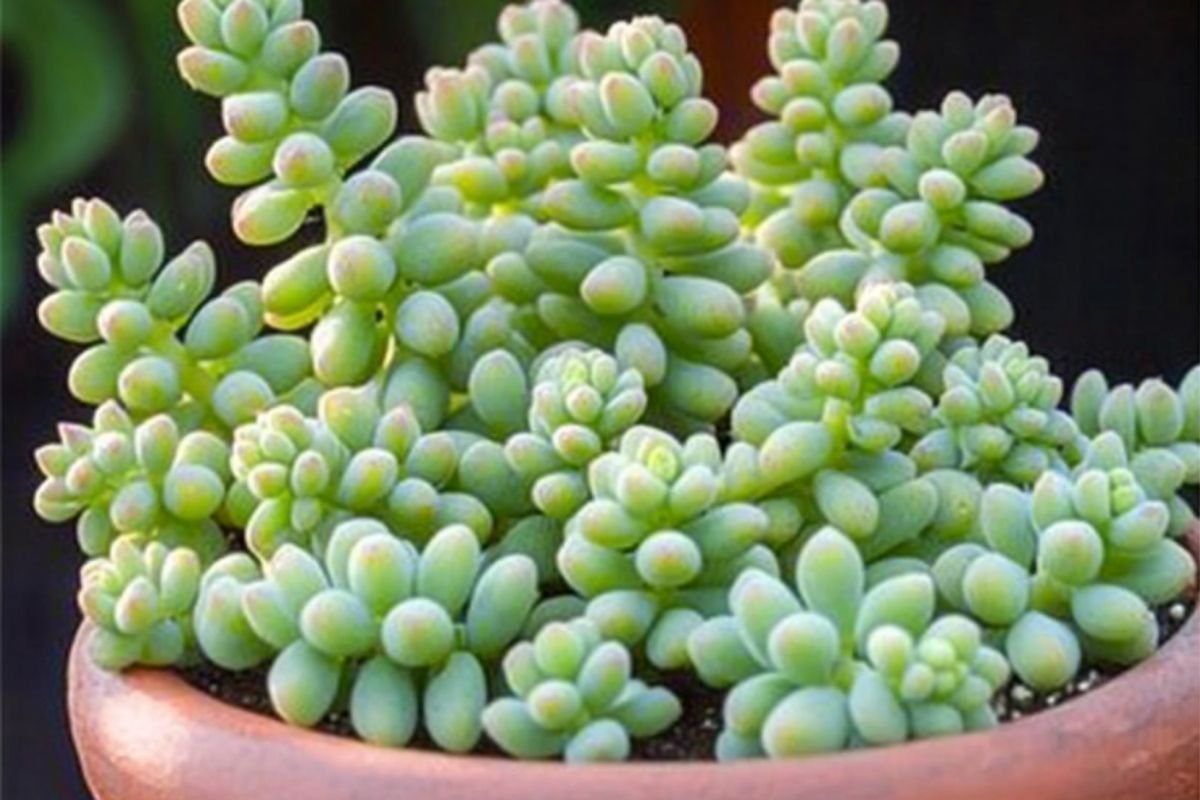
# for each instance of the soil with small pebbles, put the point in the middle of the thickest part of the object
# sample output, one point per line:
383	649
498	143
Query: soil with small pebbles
694	736
1018	700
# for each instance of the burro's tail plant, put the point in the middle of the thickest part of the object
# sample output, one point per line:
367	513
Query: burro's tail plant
567	403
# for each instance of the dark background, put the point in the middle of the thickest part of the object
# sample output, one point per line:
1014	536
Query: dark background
91	105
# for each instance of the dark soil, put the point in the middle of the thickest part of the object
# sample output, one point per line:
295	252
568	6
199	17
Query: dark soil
248	689
694	736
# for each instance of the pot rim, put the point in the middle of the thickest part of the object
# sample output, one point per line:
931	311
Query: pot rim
1139	709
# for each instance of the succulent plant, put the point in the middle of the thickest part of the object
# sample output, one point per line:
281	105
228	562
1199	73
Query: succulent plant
831	120
112	288
401	269
140	599
508	109
863	372
574	695
299	476
645	257
562	388
1071	568
999	415
286	107
857	391
406	295
145	480
389	622
835	663
1159	428
581	402
939	216
655	546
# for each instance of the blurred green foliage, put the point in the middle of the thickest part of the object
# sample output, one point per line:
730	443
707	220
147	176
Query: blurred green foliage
74	95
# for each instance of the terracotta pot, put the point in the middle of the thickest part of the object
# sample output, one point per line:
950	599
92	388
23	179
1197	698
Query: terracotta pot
147	735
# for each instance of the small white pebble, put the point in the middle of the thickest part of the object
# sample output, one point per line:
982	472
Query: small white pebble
1021	693
1053	699
1084	686
1177	611
1017	715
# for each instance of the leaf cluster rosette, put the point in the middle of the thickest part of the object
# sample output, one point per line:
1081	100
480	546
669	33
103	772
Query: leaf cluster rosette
398	281
998	415
292	124
406	294
114	293
146	480
582	401
300	476
830	121
139	598
645	256
1159	428
850	401
656	545
940	215
866	372
409	634
1071	569
837	662
508	110
574	694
